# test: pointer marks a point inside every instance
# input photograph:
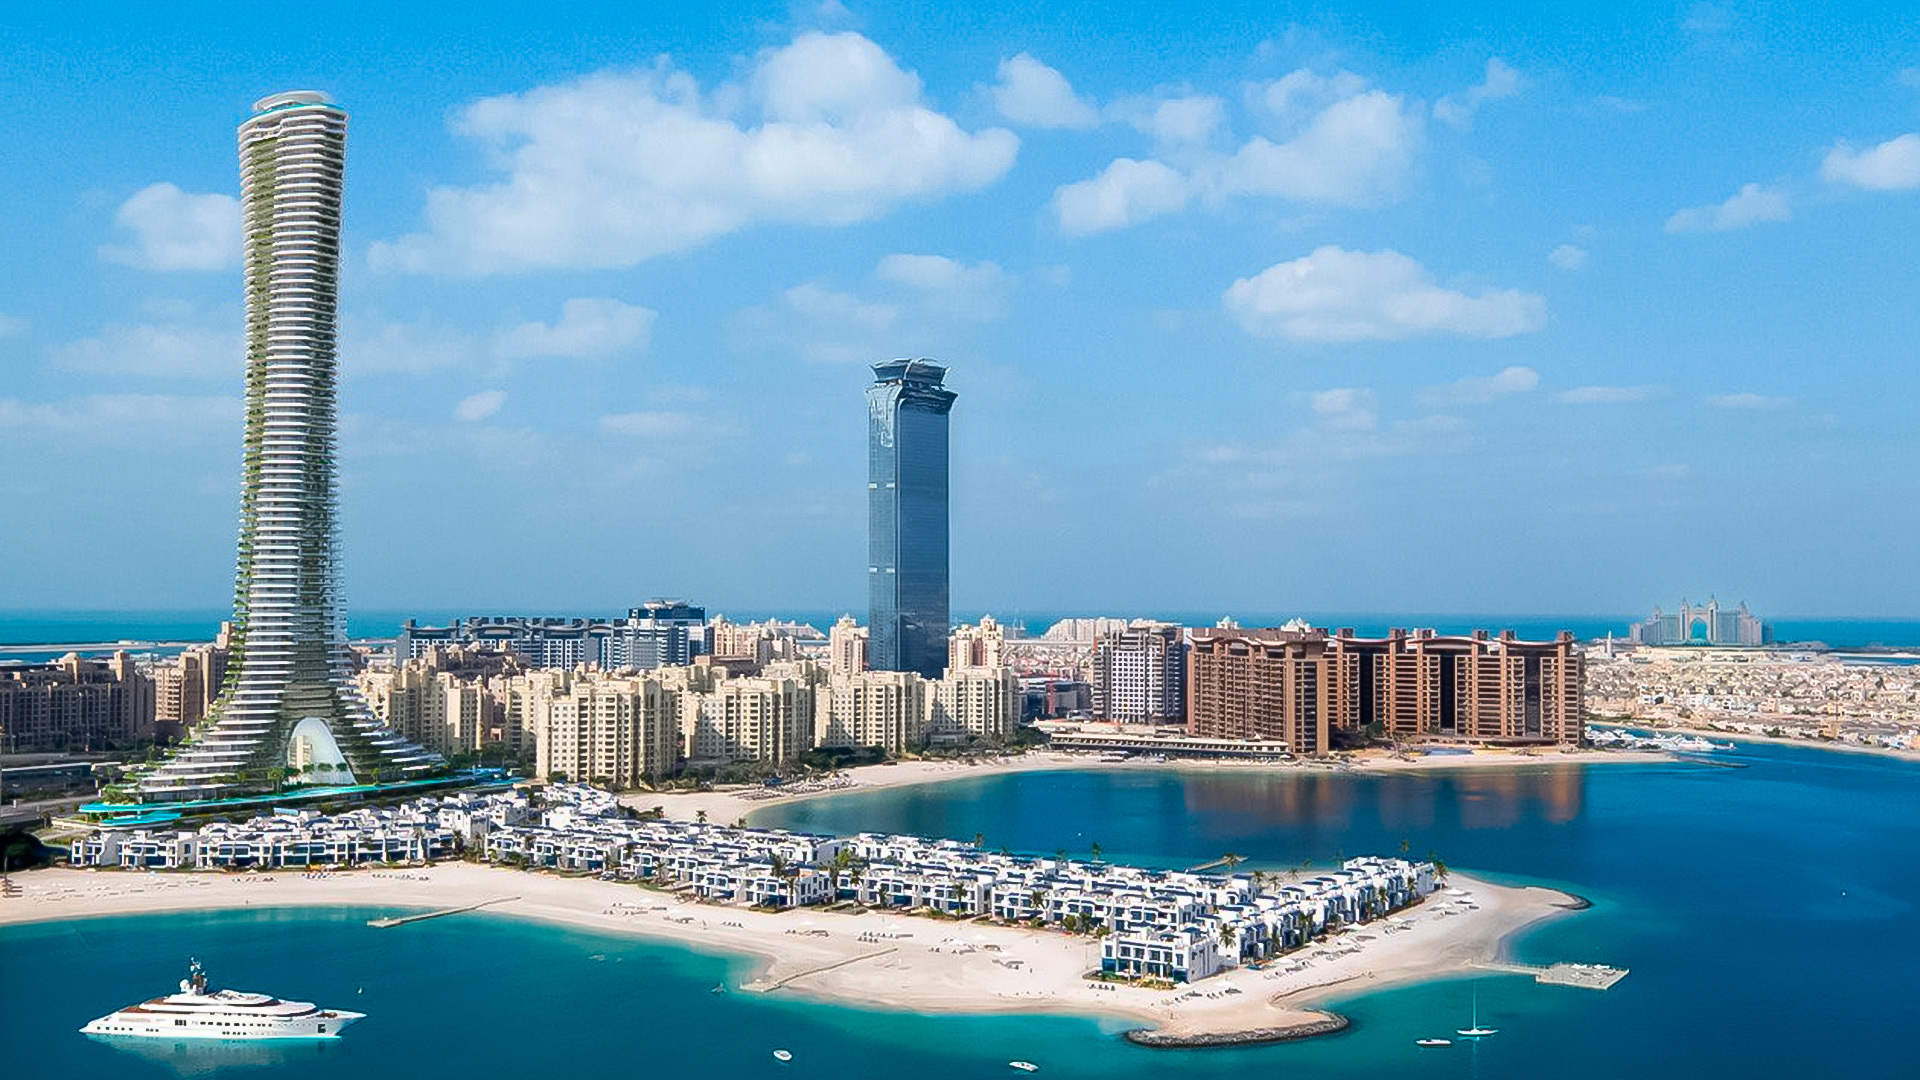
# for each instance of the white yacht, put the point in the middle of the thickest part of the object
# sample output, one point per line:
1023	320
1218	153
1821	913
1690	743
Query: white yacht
198	1013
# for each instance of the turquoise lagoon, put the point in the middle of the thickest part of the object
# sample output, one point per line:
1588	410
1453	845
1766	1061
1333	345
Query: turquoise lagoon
1767	913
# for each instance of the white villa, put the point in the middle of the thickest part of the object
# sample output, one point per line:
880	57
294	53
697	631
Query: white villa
1164	924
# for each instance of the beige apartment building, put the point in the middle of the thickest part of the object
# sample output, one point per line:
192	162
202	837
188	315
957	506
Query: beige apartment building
185	688
887	709
847	647
973	647
982	702
748	718
620	732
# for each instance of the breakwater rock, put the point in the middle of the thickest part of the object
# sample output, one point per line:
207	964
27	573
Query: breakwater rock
1327	1024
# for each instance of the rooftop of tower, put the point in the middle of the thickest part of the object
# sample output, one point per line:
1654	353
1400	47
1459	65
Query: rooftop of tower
910	370
291	99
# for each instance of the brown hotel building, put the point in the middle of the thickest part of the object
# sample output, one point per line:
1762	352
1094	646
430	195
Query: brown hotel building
1301	685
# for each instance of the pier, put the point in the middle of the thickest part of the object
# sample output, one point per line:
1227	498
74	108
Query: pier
768	987
398	920
1585	976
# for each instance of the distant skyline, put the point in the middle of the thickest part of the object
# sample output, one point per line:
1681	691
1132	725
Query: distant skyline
1382	307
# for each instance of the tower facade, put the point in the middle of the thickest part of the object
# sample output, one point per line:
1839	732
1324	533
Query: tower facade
907	598
288	710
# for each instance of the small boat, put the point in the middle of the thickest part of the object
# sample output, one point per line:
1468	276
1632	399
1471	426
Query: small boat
1476	1031
1433	1042
1024	1066
783	1055
718	988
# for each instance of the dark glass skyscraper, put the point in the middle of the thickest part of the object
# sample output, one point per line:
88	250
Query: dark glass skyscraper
907	517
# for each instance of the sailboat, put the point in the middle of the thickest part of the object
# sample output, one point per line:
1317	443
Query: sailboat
1476	1031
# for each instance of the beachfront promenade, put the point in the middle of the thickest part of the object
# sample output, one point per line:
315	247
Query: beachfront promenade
1168	925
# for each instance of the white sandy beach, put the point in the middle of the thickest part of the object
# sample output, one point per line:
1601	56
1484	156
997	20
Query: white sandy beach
882	961
726	805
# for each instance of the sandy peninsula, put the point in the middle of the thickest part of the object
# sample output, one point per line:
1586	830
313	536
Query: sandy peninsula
874	960
729	804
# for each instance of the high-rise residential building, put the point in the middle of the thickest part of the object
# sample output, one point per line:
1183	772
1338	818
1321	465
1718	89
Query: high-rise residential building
972	647
1300	685
1732	627
847	647
618	731
289	696
1139	674
185	687
748	718
887	709
75	704
974	703
907	408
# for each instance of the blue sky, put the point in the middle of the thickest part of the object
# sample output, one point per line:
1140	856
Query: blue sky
1388	307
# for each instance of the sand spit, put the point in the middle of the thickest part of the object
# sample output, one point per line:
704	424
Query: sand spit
871	959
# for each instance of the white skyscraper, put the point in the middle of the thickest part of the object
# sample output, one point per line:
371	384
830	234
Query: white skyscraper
289	710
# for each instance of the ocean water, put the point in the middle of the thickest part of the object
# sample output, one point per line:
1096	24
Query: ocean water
43	627
1767	914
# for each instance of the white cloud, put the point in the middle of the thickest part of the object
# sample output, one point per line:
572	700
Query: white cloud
823	325
1125	193
174	230
976	293
158	350
1568	257
1747	400
1457	110
1603	395
1750	205
124	418
11	325
1189	120
619	167
1304	90
926	303
662	424
477	407
1481	389
1335	295
1031	93
1344	408
383	347
589	328
1894	165
1356	152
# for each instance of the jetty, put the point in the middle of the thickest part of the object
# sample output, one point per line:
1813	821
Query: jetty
399	920
765	986
1585	976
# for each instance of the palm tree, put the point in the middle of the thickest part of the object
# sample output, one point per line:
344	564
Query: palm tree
1230	860
1096	851
700	816
979	840
1227	935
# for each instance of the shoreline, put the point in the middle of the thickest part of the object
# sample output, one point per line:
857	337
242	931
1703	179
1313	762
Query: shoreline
729	804
870	959
1737	737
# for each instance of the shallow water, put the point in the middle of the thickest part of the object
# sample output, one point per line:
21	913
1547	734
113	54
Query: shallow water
1766	912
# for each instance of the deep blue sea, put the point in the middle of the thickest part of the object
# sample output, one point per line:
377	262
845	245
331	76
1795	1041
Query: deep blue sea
1767	914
